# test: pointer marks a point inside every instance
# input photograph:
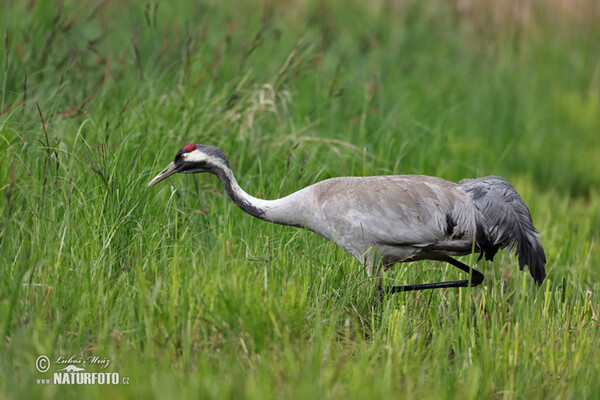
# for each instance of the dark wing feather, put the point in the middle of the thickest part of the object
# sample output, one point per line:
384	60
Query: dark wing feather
503	221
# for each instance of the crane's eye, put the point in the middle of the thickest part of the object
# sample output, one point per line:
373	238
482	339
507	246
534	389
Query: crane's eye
183	156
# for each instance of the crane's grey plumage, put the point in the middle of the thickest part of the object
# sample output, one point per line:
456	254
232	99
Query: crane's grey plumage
384	220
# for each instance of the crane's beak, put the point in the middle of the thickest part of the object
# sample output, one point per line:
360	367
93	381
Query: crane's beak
167	172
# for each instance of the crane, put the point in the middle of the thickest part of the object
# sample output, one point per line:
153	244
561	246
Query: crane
384	220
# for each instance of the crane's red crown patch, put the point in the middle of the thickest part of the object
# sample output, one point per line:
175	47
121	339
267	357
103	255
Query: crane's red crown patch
189	147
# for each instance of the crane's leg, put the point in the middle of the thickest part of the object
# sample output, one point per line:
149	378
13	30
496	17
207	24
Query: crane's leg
475	279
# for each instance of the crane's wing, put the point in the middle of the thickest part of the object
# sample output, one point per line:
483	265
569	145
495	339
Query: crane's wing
402	210
503	221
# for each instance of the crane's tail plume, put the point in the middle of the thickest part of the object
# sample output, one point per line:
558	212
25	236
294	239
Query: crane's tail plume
503	221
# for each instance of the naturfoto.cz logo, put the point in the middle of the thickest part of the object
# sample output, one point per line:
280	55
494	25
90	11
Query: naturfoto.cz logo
73	372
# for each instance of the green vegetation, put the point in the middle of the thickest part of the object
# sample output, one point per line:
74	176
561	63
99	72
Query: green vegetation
188	296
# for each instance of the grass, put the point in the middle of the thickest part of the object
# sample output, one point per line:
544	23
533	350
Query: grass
189	297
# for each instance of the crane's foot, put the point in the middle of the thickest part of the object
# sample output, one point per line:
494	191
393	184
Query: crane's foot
476	279
380	292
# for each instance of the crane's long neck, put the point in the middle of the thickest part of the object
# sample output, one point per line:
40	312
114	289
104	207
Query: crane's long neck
285	211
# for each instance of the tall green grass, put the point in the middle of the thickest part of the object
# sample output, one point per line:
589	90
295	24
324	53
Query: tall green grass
188	296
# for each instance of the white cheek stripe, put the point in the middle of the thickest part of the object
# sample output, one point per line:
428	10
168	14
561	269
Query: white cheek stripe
195	156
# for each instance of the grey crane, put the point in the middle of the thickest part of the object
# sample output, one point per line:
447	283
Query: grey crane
384	220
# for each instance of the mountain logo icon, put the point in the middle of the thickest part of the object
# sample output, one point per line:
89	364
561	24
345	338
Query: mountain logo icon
70	368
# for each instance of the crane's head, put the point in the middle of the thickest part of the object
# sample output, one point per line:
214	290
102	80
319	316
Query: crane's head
192	159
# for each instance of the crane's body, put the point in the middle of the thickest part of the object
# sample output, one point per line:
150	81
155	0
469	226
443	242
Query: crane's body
392	218
384	220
